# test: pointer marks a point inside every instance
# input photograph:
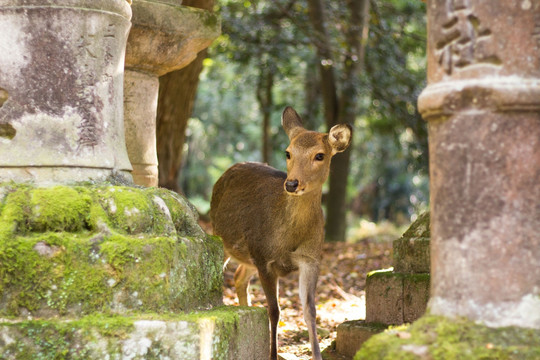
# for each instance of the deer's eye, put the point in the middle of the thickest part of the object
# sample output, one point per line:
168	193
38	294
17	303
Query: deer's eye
319	157
288	154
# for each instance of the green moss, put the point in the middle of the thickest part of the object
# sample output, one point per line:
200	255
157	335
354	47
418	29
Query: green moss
418	278
71	250
437	337
420	228
59	209
382	273
129	209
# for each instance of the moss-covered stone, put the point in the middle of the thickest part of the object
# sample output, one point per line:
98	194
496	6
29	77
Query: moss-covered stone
77	250
411	252
223	333
437	337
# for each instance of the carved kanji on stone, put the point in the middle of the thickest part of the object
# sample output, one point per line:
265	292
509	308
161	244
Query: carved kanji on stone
462	40
536	30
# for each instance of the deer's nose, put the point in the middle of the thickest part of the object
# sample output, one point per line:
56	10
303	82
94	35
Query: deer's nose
291	185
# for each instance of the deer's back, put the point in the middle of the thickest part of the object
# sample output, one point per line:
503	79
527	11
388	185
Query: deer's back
244	195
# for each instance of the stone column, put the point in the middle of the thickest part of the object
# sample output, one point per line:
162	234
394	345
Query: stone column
165	37
61	85
482	104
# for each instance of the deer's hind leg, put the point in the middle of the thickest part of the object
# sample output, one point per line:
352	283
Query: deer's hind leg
242	276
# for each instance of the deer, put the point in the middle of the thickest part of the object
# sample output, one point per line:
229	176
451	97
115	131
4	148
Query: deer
271	222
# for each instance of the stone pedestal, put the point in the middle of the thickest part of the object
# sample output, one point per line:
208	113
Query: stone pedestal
61	80
482	104
104	271
165	37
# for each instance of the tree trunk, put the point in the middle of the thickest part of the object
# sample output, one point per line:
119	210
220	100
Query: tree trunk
177	91
356	36
340	109
326	64
264	97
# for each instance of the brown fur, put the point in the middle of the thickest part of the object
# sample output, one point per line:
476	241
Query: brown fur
273	230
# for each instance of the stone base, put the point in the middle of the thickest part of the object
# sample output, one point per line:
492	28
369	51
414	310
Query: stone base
395	298
230	333
438	337
352	334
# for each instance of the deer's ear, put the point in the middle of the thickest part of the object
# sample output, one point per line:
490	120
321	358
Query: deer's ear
339	137
291	122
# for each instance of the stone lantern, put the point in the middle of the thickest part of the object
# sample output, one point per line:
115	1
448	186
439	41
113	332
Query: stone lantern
165	37
482	105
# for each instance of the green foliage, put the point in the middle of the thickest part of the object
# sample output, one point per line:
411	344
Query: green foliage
388	175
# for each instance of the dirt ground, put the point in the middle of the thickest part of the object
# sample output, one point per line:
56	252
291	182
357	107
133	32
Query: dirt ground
340	294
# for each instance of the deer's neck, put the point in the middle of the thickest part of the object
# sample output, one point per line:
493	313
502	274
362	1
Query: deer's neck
304	209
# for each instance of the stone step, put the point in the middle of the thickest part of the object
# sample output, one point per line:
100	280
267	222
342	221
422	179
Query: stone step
352	334
411	252
224	333
395	298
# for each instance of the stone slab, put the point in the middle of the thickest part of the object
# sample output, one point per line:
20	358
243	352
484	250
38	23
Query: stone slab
352	334
225	333
415	296
384	297
395	298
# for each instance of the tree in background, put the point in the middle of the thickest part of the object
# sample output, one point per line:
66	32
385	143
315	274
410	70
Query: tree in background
177	91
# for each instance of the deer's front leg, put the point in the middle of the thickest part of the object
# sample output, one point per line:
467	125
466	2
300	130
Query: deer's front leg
269	283
309	272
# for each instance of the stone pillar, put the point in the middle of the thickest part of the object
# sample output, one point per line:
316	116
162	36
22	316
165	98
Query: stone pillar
61	84
482	104
140	107
165	37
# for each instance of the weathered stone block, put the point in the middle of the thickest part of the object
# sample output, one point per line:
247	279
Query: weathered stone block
395	298
76	250
227	333
352	334
62	119
415	296
411	255
411	251
384	297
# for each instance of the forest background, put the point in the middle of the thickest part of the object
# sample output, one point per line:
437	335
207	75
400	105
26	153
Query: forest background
351	61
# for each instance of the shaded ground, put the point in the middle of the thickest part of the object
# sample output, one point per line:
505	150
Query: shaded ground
340	293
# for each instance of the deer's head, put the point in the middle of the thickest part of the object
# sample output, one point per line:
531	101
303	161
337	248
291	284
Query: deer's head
309	153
